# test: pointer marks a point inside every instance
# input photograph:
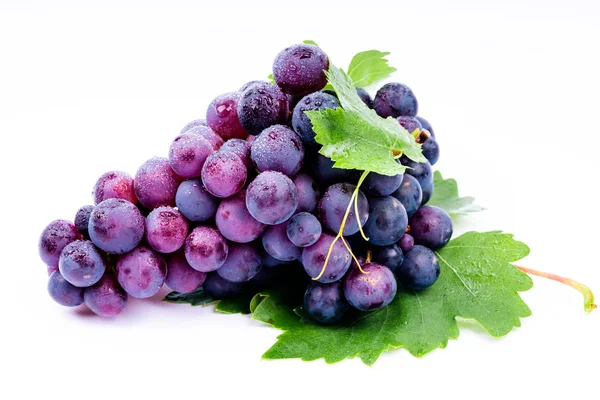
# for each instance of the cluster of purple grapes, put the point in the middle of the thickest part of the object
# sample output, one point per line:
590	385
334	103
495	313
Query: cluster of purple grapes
246	192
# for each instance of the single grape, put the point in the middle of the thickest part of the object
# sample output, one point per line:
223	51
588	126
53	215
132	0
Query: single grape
215	140
194	201
333	205
431	226
391	256
193	124
63	292
114	184
409	194
235	222
308	192
242	264
224	174
325	302
278	148
431	150
300	121
271	198
304	229
205	249
409	123
82	219
181	277
313	259
387	221
426	125
53	240
394	100
188	153
166	229
222	117
381	185
423	173
220	288
326	175
276	242
419	270
299	69
262	105
116	226
141	272
406	242
241	148
371	291
156	183
81	264
365	97
106	298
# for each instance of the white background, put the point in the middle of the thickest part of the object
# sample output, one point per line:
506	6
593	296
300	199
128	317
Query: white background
511	88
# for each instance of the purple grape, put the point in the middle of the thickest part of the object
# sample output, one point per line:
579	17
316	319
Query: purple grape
270	261
394	100
181	277
333	205
241	148
326	175
166	229
224	174
300	121
409	123
423	173
431	226
63	292
406	242
220	288
156	183
276	242
194	201
114	185
235	222
371	291
106	298
242	264
308	192
304	229
193	124
300	69
116	226
313	259
271	198
419	270
205	249
141	272
431	150
262	105
426	125
222	117
387	221
278	148
53	240
188	153
381	185
409	194
365	97
82	219
391	256
325	302
81	264
208	134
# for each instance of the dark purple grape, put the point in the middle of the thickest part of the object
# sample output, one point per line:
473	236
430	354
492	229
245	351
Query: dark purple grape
215	140
431	226
224	174
365	97
409	194
391	256
116	226
387	221
409	123
333	205
53	240
166	229
141	272
63	292
81	264
304	229
114	185
262	105
106	298
325	302
181	277
82	219
426	125
406	243
271	198
242	264
222	117
220	288
194	201
381	185
188	153
156	183
293	100
308	192
300	121
326	175
241	148
193	124
205	249
300	69
276	242
278	148
235	222
371	291
313	259
419	270
394	100
431	150
423	174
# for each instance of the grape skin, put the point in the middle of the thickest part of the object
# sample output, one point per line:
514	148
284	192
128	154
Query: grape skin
419	270
205	249
371	291
106	298
299	69
325	302
166	229
431	226
381	185
365	97
82	219
406	242
116	226
426	125
312	102
204	131
387	221
313	259
308	192
224	174
141	272
181	277
188	153
262	105
423	173
241	148
81	264
409	123
63	292
303	229
194	201
276	242
395	99
235	222
156	183
193	124
271	198
114	184
333	205
222	117
53	240
431	150
278	148
391	256
409	194
242	264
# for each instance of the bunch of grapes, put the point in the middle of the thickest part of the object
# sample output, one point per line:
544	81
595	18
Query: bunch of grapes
246	191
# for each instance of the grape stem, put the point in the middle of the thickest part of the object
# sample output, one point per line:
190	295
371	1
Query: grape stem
588	296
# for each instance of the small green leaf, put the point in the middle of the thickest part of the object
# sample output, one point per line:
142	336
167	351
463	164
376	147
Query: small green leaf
445	196
196	298
310	42
369	67
271	79
239	304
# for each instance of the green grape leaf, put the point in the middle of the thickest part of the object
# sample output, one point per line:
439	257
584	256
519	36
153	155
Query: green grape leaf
369	67
445	195
239	304
308	41
476	282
